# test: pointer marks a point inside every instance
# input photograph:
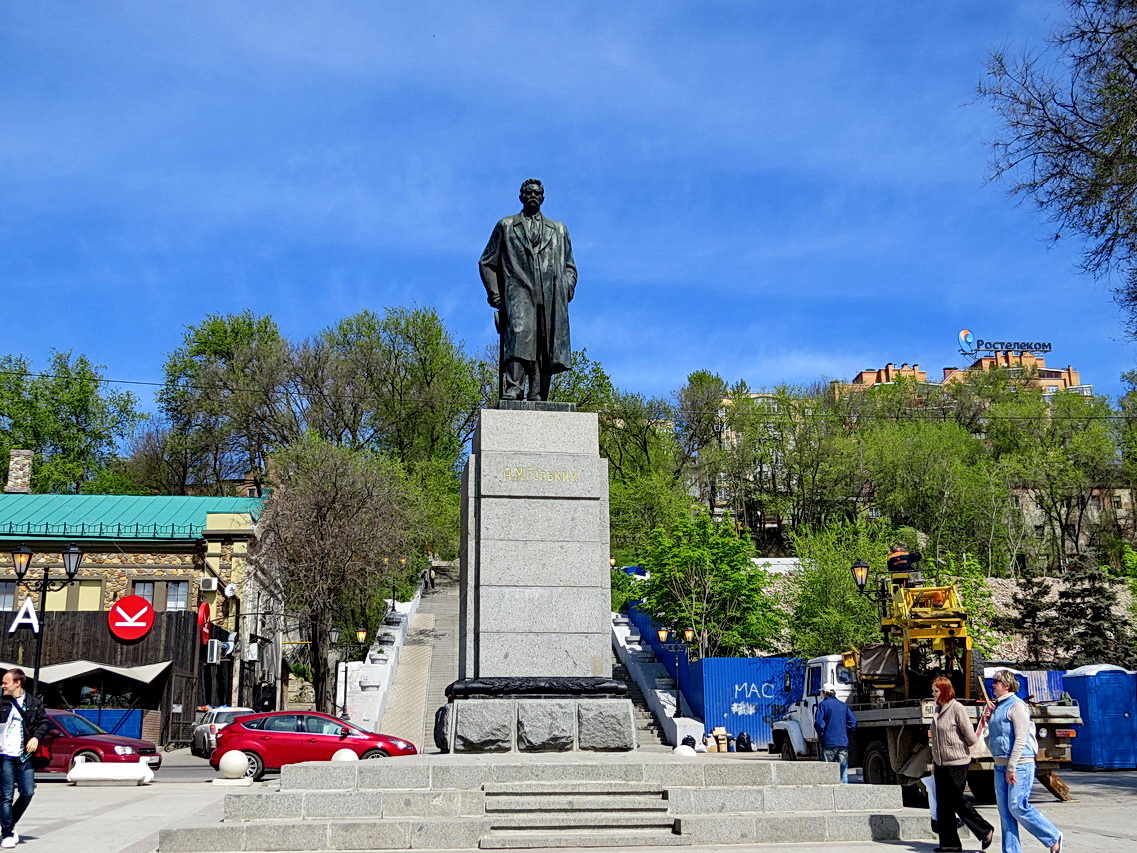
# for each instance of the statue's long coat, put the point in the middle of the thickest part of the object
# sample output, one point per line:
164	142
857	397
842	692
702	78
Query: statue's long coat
518	271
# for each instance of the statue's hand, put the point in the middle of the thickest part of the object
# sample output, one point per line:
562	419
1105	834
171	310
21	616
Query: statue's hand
495	300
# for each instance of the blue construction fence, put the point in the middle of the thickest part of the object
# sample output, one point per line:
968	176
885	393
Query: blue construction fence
739	694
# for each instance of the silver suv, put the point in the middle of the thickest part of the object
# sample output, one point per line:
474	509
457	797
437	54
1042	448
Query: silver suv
209	723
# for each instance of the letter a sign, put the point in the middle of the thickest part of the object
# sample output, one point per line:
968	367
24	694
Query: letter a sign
131	618
26	615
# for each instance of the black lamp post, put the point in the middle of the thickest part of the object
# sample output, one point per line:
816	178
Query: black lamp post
21	561
663	634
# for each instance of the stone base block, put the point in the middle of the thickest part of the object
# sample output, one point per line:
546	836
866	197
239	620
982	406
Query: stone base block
535	725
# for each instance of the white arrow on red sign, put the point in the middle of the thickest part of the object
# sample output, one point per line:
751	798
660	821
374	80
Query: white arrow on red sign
131	618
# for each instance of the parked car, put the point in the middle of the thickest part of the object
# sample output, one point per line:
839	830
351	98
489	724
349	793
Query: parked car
209	724
70	735
273	739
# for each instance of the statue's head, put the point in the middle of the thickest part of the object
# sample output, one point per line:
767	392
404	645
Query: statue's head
532	195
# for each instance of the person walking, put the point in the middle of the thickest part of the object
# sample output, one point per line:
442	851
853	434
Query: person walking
952	739
833	721
1014	747
25	724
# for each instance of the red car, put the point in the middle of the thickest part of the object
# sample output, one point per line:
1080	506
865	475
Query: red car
276	738
71	735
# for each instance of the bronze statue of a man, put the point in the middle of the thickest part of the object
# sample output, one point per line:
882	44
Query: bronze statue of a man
530	278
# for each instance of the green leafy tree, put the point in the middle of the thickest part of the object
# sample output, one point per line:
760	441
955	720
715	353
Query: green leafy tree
1063	454
700	425
624	590
827	614
334	515
222	414
68	416
646	486
701	577
587	384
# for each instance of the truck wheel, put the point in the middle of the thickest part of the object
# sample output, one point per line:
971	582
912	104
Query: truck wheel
788	753
978	663
875	766
982	785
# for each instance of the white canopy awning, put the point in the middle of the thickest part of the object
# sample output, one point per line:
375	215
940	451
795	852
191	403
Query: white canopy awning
62	671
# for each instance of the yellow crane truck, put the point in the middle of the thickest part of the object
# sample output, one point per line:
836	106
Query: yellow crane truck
888	687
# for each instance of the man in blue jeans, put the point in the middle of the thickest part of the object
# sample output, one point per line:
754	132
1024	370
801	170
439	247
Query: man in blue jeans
22	724
833	721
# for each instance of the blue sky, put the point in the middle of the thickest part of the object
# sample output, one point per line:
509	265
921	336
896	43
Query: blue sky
776	191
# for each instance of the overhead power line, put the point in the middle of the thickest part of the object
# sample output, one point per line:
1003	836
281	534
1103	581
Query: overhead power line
914	414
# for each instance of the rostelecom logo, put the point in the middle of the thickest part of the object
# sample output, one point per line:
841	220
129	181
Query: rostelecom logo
966	340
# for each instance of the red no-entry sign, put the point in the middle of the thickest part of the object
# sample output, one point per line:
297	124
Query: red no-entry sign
131	618
203	621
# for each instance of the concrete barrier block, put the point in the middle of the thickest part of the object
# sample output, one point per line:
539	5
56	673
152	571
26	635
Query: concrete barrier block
320	776
446	834
707	801
717	830
799	799
422	803
340	804
370	835
805	773
202	839
866	797
269	806
386	774
728	771
460	776
298	835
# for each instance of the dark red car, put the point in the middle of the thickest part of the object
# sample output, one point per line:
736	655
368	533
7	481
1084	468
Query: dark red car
71	735
276	738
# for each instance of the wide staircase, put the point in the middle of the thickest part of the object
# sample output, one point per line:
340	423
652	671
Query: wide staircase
648	733
530	801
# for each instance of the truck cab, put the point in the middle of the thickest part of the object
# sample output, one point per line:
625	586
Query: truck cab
794	735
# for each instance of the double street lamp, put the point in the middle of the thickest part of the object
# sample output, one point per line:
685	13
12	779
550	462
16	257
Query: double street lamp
72	556
361	640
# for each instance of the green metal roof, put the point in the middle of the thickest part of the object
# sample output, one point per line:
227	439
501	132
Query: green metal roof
113	516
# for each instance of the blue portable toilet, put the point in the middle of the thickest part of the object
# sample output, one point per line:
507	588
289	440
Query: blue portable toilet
1107	739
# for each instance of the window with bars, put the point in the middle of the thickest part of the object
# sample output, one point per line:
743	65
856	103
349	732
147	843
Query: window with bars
7	595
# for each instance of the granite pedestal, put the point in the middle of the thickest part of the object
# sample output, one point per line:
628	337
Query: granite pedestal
535	599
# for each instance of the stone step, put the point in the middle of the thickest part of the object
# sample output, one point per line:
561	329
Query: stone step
595	821
438	772
788	827
624	838
569	802
557	787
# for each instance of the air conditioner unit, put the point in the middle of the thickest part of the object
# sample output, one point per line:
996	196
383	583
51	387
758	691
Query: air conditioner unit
252	652
213	651
208	584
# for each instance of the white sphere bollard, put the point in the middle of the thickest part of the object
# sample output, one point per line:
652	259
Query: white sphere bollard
344	754
233	764
684	751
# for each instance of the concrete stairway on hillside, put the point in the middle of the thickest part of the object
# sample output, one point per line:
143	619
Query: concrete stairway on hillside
647	729
530	801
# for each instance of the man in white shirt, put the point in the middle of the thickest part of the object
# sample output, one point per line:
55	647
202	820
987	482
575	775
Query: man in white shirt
23	723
